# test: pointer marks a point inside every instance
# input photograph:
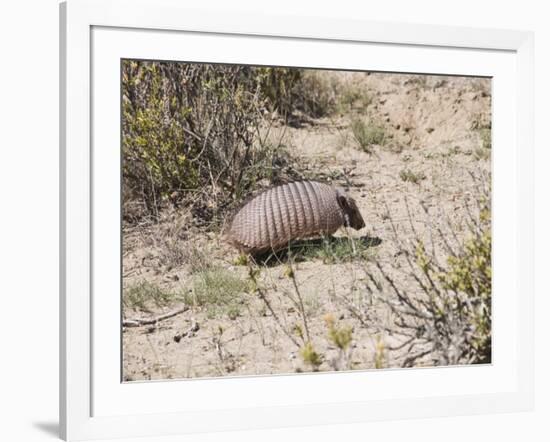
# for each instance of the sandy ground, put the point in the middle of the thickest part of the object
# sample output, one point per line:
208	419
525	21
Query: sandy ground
432	132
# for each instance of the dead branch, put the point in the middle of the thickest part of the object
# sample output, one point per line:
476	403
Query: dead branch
138	322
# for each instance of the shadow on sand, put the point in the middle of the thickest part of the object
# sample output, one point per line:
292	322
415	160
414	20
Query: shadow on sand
329	249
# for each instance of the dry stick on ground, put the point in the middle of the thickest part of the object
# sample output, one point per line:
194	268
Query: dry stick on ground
138	322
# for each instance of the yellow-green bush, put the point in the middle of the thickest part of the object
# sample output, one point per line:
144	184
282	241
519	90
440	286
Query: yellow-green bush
442	307
189	133
277	86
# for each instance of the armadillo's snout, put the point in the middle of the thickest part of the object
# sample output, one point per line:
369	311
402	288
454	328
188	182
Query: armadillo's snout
352	215
359	223
355	218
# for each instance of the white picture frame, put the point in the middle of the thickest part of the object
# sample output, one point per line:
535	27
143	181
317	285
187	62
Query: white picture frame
93	402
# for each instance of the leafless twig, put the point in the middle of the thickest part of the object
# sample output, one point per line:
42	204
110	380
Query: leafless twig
138	322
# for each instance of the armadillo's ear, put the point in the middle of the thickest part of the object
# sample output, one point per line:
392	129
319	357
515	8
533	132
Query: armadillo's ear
343	202
344	205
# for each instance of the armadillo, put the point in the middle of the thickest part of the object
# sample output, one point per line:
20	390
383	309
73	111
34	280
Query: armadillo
296	210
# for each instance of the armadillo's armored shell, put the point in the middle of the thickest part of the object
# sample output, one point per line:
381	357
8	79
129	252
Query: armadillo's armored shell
290	211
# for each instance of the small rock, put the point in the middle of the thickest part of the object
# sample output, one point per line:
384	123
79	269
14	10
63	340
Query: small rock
177	338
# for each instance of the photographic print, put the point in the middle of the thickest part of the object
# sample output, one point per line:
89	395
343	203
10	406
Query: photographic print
281	220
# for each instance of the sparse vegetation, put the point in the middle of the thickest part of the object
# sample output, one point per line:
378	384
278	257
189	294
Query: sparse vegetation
189	135
146	295
315	95
220	290
483	128
334	249
353	97
341	337
409	176
311	357
318	95
367	135
485	134
328	249
444	313
380	353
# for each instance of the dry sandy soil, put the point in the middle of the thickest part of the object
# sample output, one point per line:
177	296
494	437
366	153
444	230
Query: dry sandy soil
434	139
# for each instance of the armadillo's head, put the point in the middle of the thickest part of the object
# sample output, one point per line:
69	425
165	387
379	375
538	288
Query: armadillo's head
352	216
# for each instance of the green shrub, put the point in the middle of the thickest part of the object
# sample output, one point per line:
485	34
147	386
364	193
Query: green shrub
311	357
470	274
315	94
340	336
353	97
277	86
444	308
367	135
189	135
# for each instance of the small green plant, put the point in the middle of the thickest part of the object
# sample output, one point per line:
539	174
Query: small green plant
353	97
408	175
298	330
241	260
482	126
341	337
333	250
367	135
379	353
233	311
145	294
219	290
446	312
485	135
311	357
